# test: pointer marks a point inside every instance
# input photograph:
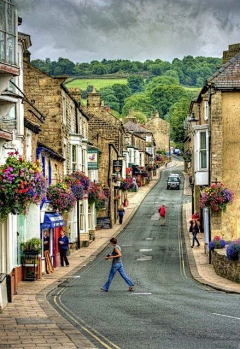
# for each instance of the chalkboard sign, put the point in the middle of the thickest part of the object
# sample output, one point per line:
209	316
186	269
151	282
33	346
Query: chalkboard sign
103	223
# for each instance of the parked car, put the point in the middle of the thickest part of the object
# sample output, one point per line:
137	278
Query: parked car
173	183
175	175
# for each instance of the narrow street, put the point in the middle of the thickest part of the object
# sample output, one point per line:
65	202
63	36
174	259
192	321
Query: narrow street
168	308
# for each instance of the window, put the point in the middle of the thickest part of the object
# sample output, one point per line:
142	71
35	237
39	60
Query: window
149	150
206	110
74	158
148	139
29	145
72	119
8	39
203	150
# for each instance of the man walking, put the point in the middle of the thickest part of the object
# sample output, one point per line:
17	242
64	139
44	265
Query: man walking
116	266
162	214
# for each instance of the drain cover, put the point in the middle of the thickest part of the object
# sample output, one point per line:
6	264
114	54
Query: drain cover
33	321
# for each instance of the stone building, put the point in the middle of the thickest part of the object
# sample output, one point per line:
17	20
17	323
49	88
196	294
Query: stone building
142	151
212	144
65	132
107	133
161	131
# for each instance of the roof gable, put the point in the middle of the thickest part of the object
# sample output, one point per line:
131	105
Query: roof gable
228	75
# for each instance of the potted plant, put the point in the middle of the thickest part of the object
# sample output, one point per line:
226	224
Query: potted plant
33	245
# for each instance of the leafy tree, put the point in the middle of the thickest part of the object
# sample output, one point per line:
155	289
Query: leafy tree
121	92
155	69
139	102
176	116
164	96
161	81
109	98
85	92
141	117
136	83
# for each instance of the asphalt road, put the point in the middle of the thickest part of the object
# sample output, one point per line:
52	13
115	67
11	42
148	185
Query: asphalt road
168	310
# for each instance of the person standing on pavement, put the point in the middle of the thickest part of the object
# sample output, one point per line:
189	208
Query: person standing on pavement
195	231
63	248
116	266
162	214
196	216
121	213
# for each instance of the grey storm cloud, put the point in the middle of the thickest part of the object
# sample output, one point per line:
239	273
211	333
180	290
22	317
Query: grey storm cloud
84	30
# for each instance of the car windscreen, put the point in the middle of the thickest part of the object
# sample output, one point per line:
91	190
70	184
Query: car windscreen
173	179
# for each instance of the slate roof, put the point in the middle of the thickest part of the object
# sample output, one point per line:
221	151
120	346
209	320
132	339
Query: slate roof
131	126
228	76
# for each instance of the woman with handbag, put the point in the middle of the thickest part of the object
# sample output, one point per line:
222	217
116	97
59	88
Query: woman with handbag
195	231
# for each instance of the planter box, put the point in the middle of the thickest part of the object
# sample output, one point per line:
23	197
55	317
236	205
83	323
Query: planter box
228	269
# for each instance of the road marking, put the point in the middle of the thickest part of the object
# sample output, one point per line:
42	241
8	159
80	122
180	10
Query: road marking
126	245
155	217
145	258
231	317
145	250
149	239
92	332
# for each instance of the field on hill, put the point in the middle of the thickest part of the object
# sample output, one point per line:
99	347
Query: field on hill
97	83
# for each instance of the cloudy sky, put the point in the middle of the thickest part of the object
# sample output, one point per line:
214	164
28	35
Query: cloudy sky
85	30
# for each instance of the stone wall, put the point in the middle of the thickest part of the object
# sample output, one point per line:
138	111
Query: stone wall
228	269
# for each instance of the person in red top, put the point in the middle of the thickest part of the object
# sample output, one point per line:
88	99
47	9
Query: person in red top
162	214
196	216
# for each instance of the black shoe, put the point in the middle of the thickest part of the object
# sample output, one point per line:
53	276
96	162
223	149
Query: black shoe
192	246
103	289
198	245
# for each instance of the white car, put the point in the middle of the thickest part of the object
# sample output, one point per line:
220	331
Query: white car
176	175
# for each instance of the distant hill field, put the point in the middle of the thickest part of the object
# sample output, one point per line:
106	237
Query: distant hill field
97	83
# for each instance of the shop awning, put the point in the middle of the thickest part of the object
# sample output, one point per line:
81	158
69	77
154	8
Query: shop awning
52	220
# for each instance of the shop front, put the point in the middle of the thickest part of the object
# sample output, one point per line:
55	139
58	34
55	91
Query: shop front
51	227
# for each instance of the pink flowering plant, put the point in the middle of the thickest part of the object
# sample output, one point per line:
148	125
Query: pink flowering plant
61	197
107	192
96	193
78	183
21	184
126	183
217	243
216	197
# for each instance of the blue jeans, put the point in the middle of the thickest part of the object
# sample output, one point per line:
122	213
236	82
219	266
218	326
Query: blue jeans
117	267
195	238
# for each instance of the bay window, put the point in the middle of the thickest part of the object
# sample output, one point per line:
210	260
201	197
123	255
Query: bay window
8	32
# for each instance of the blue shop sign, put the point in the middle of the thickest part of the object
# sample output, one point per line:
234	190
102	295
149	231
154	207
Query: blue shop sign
52	220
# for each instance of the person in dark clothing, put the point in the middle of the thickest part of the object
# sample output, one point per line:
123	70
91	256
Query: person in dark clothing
195	231
117	265
63	248
45	241
121	213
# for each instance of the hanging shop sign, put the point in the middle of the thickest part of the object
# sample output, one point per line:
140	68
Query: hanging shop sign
93	156
117	166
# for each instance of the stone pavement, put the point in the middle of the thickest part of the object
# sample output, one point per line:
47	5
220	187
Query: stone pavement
31	322
198	260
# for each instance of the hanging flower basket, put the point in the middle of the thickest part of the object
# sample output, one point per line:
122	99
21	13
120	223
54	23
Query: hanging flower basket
78	183
107	192
126	183
216	197
61	197
216	243
21	184
95	193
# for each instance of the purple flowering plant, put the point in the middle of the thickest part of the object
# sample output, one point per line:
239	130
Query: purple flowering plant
216	197
61	197
95	193
217	243
233	251
21	184
126	183
78	183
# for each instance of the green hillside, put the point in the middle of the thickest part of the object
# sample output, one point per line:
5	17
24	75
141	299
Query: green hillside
97	83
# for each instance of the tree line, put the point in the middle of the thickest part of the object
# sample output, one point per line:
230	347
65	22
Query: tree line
190	71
